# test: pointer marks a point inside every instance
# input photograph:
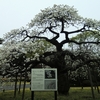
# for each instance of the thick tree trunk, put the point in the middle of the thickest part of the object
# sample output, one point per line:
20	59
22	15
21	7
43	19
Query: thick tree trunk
63	84
63	79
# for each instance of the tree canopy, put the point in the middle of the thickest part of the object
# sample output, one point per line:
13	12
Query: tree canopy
52	22
49	25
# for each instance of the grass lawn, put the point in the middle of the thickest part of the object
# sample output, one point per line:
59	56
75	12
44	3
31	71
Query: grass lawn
74	94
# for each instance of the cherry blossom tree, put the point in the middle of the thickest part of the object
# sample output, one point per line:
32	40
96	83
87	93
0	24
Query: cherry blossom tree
50	24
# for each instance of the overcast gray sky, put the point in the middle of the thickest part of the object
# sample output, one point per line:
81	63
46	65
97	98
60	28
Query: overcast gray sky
17	13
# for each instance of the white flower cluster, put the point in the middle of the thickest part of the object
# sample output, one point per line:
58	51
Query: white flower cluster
51	49
90	23
54	14
33	49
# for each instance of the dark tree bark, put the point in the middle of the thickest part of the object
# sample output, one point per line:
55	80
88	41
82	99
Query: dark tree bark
63	83
63	79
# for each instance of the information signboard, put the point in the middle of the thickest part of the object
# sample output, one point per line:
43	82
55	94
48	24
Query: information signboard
44	79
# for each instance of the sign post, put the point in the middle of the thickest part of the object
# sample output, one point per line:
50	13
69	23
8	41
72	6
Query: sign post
55	95
32	95
44	80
